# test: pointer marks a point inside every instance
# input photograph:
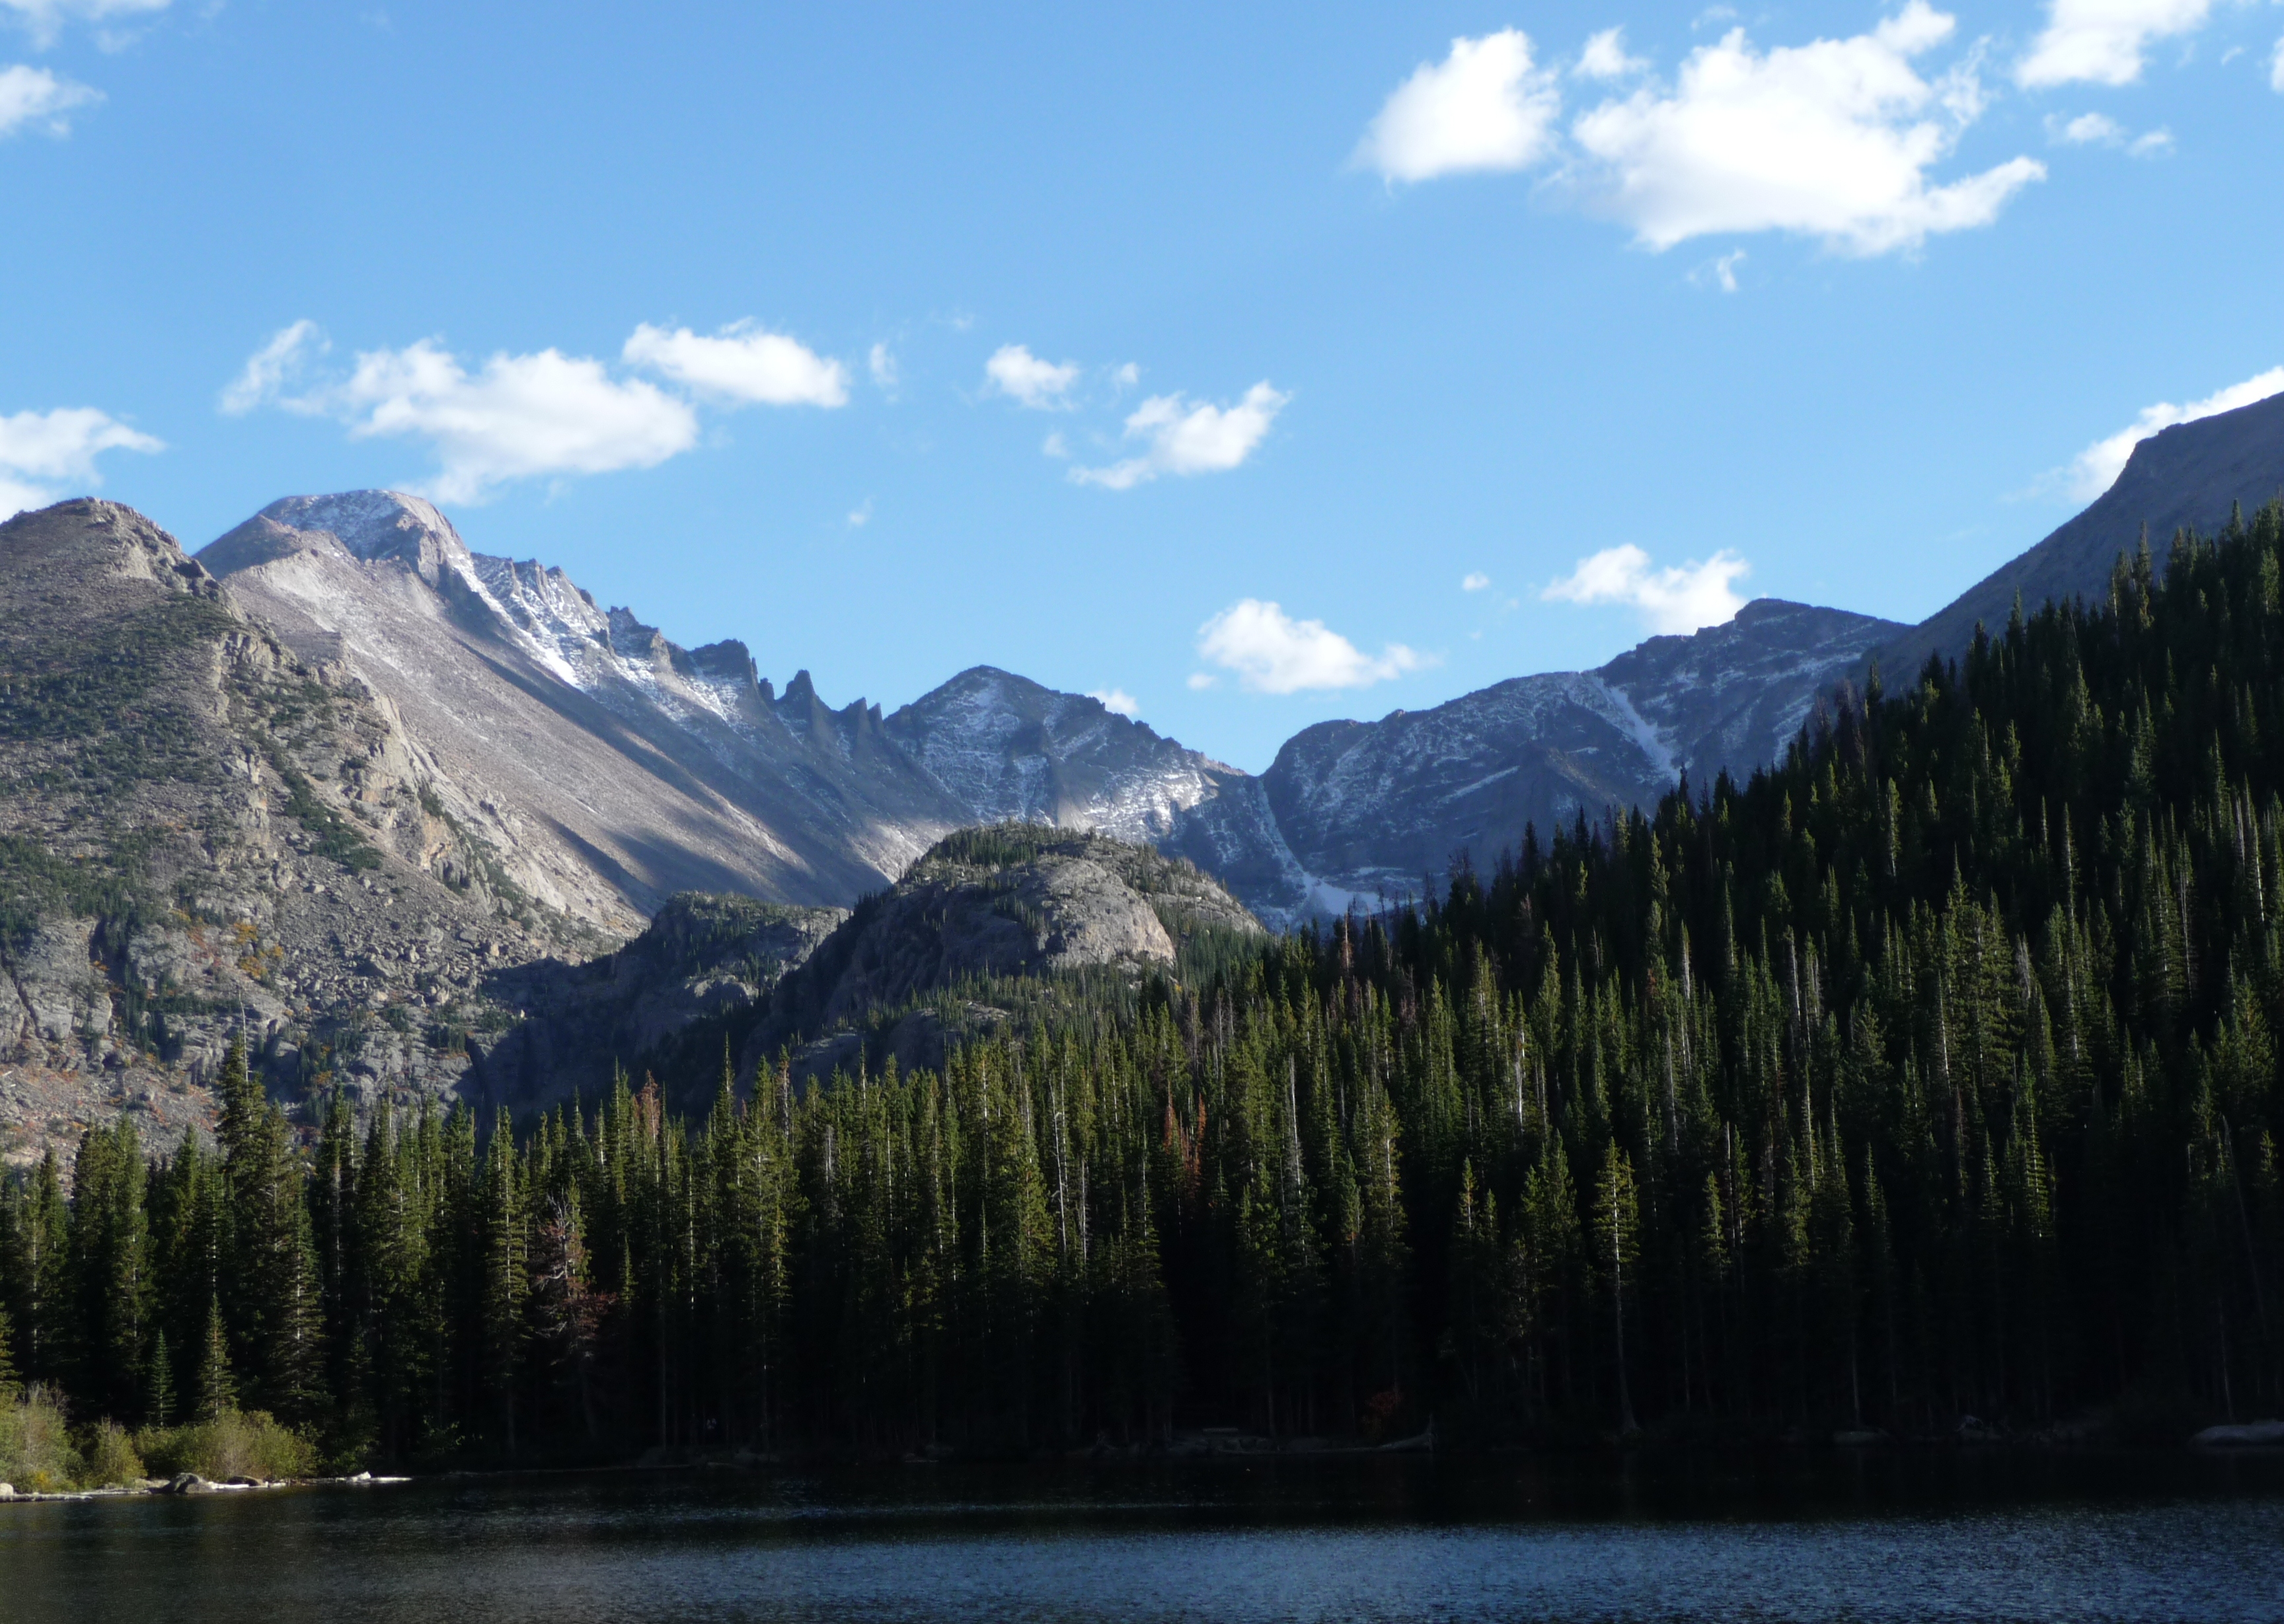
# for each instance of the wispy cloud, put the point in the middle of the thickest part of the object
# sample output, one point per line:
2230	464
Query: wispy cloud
1484	106
860	514
34	98
2099	129
45	19
2103	42
1181	438
273	369
1475	581
1679	598
1271	652
1117	701
38	447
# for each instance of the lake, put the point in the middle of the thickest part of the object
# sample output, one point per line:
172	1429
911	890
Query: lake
1885	1535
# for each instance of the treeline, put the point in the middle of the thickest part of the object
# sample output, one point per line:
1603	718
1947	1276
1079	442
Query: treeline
1931	1074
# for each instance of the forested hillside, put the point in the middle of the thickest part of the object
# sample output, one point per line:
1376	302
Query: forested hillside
1930	1074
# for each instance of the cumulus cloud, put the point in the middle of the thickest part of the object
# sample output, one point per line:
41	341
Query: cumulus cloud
1117	701
269	369
1679	598
742	362
1475	581
1833	140
2103	42
1015	372
1484	106
1605	58
512	418
2098	466
1184	439
45	18
40	447
1271	652
32	97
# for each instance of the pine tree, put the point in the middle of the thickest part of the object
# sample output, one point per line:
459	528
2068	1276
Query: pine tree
217	1389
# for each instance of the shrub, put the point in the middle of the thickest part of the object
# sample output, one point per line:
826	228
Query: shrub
236	1444
110	1456
36	1452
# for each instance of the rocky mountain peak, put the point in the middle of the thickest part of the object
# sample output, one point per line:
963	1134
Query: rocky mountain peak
376	524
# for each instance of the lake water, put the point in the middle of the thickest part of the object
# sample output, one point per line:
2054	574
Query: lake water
1883	1537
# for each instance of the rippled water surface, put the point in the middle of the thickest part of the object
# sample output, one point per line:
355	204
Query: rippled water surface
1880	1539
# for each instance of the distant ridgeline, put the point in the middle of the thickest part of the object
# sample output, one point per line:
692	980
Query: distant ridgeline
1931	1074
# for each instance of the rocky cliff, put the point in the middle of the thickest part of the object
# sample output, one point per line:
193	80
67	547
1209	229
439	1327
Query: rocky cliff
209	835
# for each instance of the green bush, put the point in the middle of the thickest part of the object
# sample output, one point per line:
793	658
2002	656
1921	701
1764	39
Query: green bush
110	1459
236	1444
35	1451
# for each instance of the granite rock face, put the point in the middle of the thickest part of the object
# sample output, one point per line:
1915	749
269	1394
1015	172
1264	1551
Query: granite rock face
1003	901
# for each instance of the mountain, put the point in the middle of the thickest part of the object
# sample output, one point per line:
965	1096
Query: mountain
205	837
395	810
2191	475
1351	812
604	766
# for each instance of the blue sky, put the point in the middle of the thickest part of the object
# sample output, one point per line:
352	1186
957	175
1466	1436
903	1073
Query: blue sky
1258	364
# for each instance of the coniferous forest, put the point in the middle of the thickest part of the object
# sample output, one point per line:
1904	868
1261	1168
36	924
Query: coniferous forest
1932	1073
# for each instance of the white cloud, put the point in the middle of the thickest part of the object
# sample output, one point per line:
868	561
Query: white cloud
742	362
1200	681
882	363
1833	139
1127	376
1473	580
2276	69
1484	106
1605	58
269	369
1055	445
46	446
2102	42
860	514
1014	371
1679	598
1116	700
1186	439
35	97
2086	129
2098	466
1271	652
45	18
2099	129
1721	273
517	416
